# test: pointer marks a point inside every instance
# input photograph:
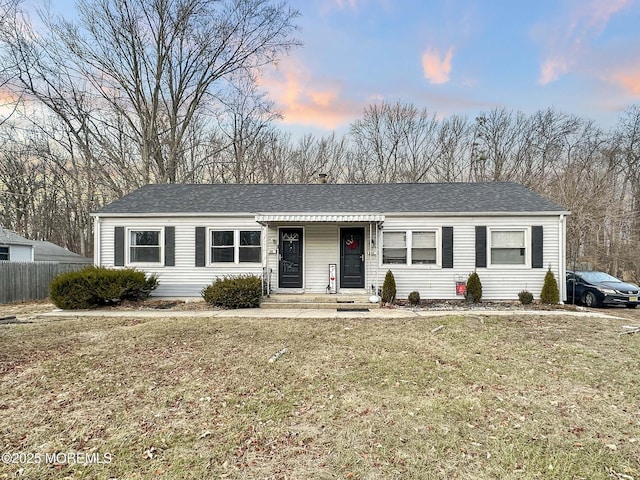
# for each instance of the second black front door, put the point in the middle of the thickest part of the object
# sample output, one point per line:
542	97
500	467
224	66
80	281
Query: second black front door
290	268
352	257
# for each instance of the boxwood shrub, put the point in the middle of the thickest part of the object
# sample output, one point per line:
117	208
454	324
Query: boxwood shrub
414	298
243	291
525	297
94	287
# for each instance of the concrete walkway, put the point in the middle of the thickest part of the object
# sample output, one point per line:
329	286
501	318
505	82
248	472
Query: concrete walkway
380	314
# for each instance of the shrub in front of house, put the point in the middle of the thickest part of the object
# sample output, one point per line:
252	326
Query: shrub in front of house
525	297
94	287
389	288
550	294
414	298
243	291
474	288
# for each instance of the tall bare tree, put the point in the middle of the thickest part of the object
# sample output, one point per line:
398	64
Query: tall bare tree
144	70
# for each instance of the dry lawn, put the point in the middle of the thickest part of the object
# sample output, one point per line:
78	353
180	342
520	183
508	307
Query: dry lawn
519	397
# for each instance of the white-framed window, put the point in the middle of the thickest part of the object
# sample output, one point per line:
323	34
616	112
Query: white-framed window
394	248
222	246
411	247
423	248
508	246
250	246
145	246
4	253
235	246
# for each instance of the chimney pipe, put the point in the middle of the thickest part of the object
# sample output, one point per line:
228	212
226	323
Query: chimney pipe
322	177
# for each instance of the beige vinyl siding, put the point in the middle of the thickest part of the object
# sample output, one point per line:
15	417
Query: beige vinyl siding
184	279
321	250
498	282
322	247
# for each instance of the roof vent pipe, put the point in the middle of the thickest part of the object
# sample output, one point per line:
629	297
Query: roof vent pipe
322	177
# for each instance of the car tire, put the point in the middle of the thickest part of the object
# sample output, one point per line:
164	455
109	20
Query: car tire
590	300
631	305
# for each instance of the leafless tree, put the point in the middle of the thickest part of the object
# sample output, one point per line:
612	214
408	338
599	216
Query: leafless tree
246	116
454	144
145	70
393	142
8	11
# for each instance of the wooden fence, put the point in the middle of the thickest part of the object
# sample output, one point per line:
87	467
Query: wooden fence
24	281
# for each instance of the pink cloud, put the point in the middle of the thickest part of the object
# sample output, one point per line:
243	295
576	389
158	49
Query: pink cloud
437	68
627	78
342	4
568	38
552	69
330	6
596	14
307	100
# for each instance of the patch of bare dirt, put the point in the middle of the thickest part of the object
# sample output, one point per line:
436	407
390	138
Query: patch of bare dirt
157	304
25	308
455	305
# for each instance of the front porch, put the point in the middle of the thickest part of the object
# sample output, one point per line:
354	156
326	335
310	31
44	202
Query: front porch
321	257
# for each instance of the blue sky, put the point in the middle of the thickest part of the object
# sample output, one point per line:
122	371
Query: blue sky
457	57
460	57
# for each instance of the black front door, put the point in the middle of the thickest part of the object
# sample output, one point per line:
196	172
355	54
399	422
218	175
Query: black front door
352	258
290	267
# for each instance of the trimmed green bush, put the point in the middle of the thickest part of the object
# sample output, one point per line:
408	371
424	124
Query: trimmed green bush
550	294
389	288
474	288
414	298
525	297
243	291
94	287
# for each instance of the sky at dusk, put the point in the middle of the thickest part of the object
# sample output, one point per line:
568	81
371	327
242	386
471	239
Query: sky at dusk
457	57
460	57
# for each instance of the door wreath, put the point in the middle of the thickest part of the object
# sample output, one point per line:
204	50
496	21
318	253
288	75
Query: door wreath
351	243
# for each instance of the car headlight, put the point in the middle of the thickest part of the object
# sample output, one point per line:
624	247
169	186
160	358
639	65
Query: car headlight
608	291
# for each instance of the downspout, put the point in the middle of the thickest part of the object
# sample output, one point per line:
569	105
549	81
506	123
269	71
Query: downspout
370	256
377	253
562	260
96	241
266	277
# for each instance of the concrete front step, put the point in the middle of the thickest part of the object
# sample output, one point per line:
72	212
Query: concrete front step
306	301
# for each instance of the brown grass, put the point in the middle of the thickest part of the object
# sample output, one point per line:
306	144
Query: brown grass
486	397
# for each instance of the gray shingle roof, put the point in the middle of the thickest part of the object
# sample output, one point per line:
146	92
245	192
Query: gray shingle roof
7	237
331	198
50	252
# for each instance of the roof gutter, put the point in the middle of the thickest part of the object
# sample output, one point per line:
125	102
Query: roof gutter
327	214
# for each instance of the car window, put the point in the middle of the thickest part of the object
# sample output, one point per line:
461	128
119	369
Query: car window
594	277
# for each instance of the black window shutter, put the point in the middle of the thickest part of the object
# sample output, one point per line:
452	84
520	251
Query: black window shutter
481	247
537	260
118	241
169	246
447	247
201	242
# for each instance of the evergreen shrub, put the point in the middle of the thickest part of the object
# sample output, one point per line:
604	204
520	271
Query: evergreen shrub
243	291
525	297
474	288
389	288
414	298
94	287
550	294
